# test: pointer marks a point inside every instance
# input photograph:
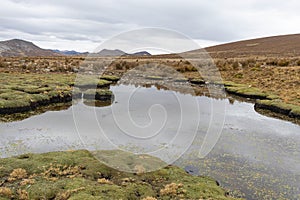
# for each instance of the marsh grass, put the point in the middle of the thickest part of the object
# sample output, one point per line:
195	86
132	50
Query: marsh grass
110	78
98	94
24	92
280	107
78	175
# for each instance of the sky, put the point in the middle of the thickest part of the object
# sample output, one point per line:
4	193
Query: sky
84	25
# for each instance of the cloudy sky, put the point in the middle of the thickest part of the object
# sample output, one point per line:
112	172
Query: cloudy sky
83	25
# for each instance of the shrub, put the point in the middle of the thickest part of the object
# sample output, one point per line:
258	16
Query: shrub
190	68
171	189
273	62
4	191
17	174
3	64
239	75
119	66
283	63
104	181
235	65
186	62
149	198
23	194
251	60
129	65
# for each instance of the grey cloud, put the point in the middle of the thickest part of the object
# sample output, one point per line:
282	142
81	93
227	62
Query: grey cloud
96	20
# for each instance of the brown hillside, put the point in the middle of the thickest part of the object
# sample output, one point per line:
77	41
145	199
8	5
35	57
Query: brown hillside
281	46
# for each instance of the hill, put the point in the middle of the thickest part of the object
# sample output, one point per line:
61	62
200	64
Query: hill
275	46
19	48
281	46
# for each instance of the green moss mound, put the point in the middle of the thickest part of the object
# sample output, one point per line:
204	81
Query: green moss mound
78	175
86	81
110	78
279	107
247	91
25	92
98	94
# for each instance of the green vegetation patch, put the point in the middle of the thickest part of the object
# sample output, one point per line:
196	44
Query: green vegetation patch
295	111
98	94
232	84
13	103
247	92
182	79
278	104
86	81
110	78
78	175
24	92
279	107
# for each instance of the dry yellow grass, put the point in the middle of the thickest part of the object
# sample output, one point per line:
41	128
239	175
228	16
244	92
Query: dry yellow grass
17	174
140	169
27	182
23	194
104	181
62	170
149	198
5	191
66	194
171	189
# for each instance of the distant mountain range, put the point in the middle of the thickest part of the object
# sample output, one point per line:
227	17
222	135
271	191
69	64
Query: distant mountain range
108	52
70	53
21	48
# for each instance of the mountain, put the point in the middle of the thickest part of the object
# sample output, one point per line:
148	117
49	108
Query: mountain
17	47
108	52
283	45
141	53
117	52
69	53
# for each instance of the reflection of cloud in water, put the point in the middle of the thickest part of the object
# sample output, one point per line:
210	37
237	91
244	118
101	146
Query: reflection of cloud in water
254	139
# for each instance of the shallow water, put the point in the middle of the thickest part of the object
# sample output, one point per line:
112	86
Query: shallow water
255	154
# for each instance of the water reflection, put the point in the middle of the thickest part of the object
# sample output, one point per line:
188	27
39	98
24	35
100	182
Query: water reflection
97	103
256	154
